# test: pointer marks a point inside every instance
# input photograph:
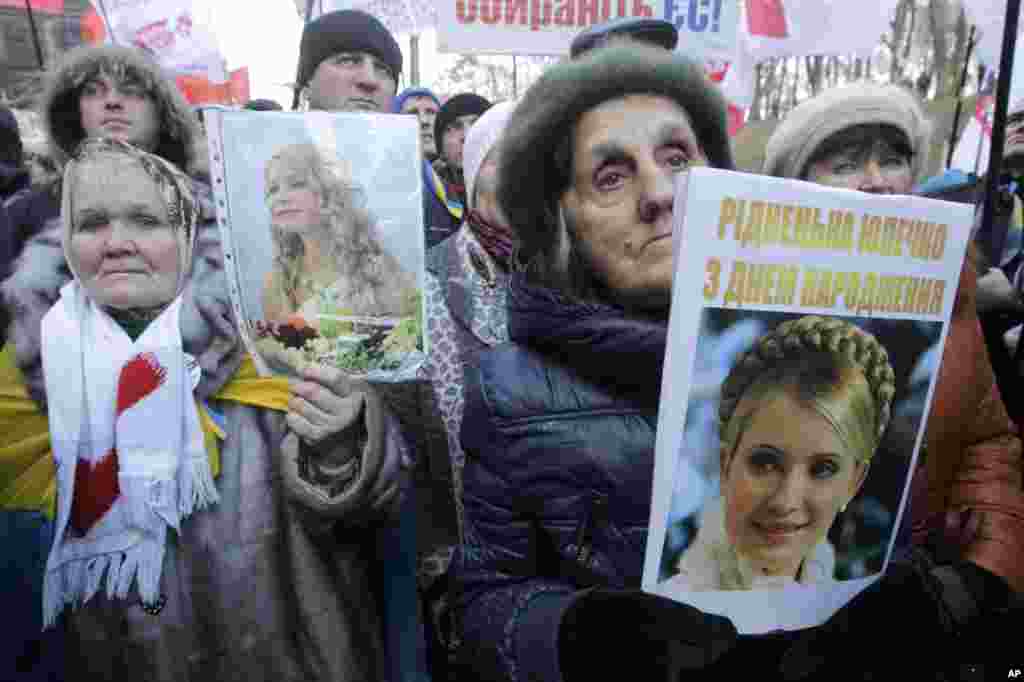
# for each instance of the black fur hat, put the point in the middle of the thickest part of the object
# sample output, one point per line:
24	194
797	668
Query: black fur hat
464	104
348	29
530	183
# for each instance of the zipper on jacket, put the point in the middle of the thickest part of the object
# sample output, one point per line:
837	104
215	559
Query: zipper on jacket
597	509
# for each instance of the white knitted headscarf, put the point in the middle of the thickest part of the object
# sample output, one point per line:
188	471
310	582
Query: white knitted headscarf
811	124
480	139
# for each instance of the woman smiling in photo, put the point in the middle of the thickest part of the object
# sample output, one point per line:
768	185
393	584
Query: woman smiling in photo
323	238
801	416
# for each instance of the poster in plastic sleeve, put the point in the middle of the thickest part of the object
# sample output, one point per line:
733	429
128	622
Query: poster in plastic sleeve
805	335
321	217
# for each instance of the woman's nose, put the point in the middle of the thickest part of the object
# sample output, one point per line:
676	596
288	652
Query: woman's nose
657	188
872	178
789	493
120	238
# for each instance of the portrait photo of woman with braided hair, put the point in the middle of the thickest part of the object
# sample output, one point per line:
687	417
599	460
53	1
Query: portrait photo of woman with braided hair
801	419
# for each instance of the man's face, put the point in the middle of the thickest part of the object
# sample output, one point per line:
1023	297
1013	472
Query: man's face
876	168
121	110
425	110
453	139
626	155
352	81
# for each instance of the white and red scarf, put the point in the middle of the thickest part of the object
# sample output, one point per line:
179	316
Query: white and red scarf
129	449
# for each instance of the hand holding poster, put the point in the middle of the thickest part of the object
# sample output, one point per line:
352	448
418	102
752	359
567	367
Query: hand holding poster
803	347
324	239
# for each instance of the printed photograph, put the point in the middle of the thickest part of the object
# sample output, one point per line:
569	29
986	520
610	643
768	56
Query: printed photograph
800	432
326	234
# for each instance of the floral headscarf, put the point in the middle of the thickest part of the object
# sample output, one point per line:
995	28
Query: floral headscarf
173	186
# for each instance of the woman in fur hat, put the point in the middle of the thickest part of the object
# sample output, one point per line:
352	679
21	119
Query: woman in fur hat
558	426
186	562
967	502
107	91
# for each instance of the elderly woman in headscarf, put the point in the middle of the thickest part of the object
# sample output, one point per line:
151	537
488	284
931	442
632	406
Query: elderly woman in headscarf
174	559
967	502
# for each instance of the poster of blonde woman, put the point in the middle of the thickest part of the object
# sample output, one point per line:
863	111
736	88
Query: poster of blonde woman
806	329
325	236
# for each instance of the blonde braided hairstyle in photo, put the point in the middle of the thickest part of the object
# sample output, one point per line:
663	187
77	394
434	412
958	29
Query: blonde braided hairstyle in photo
828	364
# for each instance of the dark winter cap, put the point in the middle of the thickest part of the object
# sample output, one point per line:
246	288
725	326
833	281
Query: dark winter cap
465	104
530	181
10	138
262	105
342	31
409	93
654	31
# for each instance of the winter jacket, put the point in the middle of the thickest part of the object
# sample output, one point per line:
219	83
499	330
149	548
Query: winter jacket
558	433
465	298
259	586
972	459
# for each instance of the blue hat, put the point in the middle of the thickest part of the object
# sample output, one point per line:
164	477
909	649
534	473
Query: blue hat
412	92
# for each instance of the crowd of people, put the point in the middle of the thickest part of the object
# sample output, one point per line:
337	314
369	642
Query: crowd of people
297	529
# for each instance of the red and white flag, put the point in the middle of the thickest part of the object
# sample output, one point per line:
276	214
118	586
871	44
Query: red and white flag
40	6
177	33
783	28
972	150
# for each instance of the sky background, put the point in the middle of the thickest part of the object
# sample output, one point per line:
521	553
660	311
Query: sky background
267	41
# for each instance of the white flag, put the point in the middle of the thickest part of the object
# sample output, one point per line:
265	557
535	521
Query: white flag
177	33
782	28
972	150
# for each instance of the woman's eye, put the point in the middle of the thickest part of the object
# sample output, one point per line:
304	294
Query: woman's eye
609	179
678	161
764	461
824	469
894	162
147	220
91	224
90	89
844	167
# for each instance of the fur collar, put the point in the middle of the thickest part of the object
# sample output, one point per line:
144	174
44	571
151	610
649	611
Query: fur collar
711	563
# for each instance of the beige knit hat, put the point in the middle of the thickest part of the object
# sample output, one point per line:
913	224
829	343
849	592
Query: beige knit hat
809	125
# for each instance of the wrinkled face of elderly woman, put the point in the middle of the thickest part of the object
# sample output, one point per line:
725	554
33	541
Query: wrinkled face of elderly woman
293	197
123	245
789	476
626	155
872	158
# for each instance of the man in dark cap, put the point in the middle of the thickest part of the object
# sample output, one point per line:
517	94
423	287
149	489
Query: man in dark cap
654	31
445	186
348	61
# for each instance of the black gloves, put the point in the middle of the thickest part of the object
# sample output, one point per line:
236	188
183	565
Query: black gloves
915	601
629	634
